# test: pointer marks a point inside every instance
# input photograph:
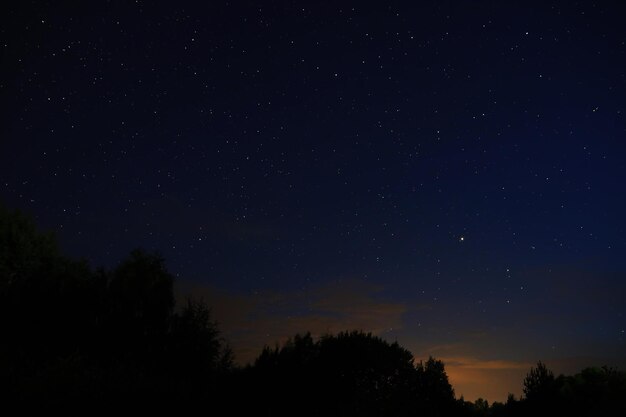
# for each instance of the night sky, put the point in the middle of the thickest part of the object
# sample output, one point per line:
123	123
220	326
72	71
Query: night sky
448	175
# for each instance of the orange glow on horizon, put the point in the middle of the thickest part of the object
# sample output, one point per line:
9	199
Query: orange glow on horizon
492	380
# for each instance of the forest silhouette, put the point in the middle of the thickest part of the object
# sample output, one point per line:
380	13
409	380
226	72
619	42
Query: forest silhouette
77	336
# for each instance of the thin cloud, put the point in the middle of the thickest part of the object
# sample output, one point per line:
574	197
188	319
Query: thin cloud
461	362
251	321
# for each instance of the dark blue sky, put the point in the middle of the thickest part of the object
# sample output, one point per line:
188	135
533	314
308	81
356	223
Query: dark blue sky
449	174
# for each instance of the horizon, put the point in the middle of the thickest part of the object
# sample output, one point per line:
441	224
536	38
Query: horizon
467	375
447	175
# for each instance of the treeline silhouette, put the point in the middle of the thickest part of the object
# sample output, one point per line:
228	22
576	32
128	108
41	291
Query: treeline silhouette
76	336
71	334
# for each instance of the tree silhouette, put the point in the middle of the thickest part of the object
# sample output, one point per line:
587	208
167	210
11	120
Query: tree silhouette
198	356
141	294
45	305
350	374
540	390
436	396
593	391
539	383
73	335
365	374
24	251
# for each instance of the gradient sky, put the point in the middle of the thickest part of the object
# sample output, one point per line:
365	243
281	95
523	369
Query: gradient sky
450	175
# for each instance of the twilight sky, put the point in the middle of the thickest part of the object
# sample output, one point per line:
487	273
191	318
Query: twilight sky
450	175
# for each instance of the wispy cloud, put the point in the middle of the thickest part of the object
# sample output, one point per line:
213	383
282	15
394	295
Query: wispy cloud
461	362
251	321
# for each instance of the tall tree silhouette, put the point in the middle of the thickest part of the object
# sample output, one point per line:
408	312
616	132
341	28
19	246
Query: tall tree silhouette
45	302
539	382
435	394
74	335
198	356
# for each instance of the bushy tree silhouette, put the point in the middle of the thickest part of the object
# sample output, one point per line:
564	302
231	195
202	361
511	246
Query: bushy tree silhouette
539	383
350	374
198	356
45	304
74	335
435	392
365	374
71	334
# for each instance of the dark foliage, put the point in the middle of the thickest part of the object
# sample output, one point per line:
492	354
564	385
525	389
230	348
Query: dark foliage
74	336
349	374
592	392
